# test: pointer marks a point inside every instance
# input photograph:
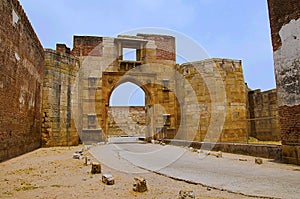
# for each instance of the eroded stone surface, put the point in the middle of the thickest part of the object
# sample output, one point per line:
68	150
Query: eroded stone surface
285	21
139	184
186	194
21	81
108	179
96	168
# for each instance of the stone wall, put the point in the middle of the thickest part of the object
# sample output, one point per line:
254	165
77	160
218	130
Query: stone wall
285	22
87	45
257	150
126	121
60	70
21	76
95	55
165	45
103	69
221	96
170	111
263	115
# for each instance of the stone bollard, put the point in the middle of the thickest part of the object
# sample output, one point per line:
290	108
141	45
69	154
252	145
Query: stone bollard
87	161
186	194
108	179
258	161
139	185
96	168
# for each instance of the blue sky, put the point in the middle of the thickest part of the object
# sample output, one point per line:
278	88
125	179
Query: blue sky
236	29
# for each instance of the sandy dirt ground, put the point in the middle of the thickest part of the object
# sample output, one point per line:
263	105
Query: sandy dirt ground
53	173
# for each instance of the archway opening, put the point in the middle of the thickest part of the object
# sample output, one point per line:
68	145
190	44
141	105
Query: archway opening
127	94
127	111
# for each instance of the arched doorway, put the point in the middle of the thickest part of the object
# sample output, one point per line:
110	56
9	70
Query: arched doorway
127	94
127	111
124	119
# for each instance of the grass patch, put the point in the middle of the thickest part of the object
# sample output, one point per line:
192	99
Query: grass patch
7	193
56	185
25	171
253	140
26	188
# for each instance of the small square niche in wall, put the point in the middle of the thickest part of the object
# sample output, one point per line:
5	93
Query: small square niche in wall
15	17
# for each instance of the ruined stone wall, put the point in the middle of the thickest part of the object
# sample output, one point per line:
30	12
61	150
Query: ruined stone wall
165	46
263	115
219	87
95	54
103	69
285	22
60	70
87	45
21	76
126	121
170	109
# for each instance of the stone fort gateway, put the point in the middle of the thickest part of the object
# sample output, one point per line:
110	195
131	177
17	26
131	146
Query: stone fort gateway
62	97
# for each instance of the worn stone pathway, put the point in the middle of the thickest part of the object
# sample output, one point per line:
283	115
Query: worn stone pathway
269	179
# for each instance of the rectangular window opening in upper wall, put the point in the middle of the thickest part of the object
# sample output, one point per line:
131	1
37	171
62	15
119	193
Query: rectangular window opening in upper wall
129	54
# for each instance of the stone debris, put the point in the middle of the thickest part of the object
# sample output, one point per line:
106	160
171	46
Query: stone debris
154	141
86	147
219	154
186	194
192	149
258	161
195	150
108	179
80	152
96	168
87	161
76	155
243	159
139	185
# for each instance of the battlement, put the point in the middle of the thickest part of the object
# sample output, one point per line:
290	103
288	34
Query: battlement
61	57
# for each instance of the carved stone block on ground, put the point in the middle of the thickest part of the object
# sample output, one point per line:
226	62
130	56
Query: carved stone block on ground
258	161
76	156
219	154
87	161
139	185
96	168
186	194
108	179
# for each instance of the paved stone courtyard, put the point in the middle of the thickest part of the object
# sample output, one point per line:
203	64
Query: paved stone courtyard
231	172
